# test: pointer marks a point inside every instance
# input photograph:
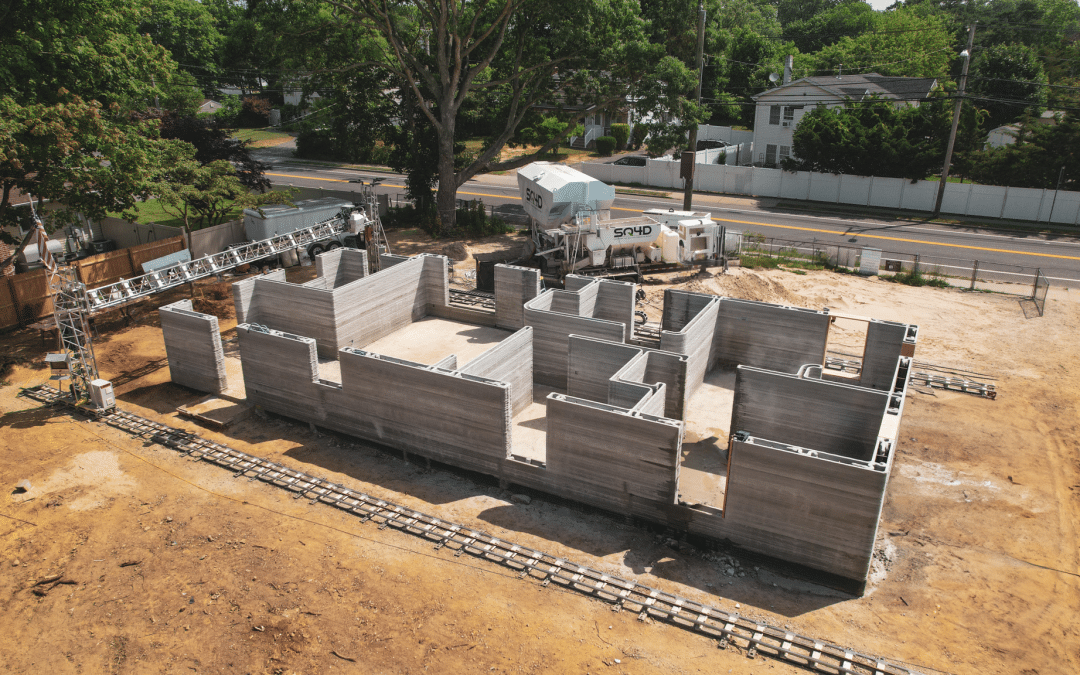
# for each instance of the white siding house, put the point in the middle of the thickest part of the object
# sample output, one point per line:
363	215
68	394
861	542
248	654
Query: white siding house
779	110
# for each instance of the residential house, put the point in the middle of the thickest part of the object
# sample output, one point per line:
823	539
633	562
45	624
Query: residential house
779	109
1006	135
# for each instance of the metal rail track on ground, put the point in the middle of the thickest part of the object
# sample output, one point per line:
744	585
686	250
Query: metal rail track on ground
623	594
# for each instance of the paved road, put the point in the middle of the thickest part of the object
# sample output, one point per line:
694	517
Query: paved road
1003	255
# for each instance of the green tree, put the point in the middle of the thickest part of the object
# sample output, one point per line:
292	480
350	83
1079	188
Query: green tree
447	52
73	152
903	43
203	194
187	29
850	19
1006	80
872	137
1036	159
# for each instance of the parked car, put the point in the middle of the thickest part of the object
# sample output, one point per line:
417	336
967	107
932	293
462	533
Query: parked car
632	160
709	145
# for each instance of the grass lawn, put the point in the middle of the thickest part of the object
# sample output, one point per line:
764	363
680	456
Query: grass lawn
262	138
150	211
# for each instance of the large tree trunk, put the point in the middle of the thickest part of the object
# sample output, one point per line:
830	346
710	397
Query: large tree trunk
446	198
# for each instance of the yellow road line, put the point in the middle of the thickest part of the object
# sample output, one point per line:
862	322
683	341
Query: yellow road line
782	227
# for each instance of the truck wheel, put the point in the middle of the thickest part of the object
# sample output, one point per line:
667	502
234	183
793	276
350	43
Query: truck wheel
314	250
332	245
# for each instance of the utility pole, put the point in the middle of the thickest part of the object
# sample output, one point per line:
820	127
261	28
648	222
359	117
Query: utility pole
688	194
966	54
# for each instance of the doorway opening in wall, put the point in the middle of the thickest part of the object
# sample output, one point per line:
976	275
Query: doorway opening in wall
846	346
704	461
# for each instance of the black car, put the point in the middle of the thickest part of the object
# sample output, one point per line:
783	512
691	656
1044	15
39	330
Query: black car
632	160
709	145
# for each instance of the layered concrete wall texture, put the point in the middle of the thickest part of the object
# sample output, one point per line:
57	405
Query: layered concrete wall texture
885	342
806	482
593	363
831	417
193	347
514	286
588	307
770	336
339	266
356	312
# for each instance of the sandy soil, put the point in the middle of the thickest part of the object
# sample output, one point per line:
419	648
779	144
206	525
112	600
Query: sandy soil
166	565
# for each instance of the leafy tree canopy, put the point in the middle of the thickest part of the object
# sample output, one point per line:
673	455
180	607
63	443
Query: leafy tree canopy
850	19
903	43
1006	80
873	137
1036	159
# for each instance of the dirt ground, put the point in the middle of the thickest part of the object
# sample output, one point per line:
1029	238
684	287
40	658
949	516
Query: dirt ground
160	564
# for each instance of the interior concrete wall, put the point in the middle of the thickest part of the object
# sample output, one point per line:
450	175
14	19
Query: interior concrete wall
615	301
693	322
439	413
354	313
769	336
296	309
340	266
885	342
605	455
551	335
442	414
509	361
514	286
244	291
812	511
193	347
592	363
831	417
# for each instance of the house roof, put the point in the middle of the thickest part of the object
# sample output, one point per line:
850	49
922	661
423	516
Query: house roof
863	85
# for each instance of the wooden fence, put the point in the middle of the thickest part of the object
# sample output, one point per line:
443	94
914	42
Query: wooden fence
107	268
24	298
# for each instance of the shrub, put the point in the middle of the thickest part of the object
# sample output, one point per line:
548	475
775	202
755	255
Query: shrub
640	132
605	145
254	112
621	134
315	144
473	219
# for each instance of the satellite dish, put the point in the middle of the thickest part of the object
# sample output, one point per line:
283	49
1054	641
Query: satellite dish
773	77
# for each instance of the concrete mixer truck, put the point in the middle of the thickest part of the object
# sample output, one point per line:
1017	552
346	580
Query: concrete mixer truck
573	231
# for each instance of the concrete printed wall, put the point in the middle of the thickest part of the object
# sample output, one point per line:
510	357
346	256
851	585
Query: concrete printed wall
514	286
510	361
244	294
341	266
593	363
465	419
812	511
884	345
605	455
839	419
615	301
770	336
193	347
551	337
694	315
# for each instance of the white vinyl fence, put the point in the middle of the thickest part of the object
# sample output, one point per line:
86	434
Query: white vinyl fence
985	201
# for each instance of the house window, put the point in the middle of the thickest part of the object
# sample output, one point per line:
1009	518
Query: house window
789	114
774	114
770	155
785	152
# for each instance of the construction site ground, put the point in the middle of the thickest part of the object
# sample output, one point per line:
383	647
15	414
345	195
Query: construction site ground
124	557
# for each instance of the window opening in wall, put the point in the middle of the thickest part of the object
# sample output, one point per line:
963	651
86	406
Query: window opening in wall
785	152
789	115
770	155
774	114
